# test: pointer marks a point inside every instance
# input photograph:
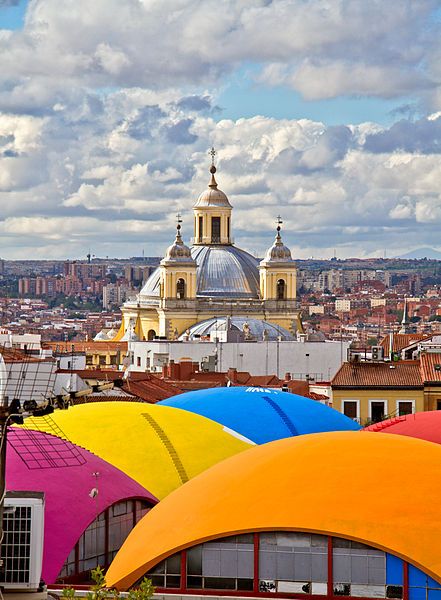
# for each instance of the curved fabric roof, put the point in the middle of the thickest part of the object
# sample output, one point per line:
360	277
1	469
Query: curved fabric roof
64	473
345	484
222	271
256	326
158	446
422	425
261	414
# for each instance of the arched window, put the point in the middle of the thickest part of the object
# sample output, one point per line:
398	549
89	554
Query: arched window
180	289
151	335
281	290
102	539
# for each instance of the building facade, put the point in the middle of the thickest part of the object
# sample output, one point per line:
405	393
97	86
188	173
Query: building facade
213	278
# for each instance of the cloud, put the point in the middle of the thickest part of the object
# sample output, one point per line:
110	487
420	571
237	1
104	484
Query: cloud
117	171
320	48
107	116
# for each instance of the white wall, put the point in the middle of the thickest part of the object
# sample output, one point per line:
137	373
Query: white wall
321	359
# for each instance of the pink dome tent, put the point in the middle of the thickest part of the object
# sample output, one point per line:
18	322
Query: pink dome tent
69	477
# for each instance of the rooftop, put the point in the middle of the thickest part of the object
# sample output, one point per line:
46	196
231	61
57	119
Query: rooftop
405	374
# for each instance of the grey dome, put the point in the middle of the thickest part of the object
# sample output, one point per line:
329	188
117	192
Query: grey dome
212	196
278	251
256	327
222	271
178	251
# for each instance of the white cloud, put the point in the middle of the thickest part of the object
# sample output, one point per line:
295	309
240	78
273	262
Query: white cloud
106	119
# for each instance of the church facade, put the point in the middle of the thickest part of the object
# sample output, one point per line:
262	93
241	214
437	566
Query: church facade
213	279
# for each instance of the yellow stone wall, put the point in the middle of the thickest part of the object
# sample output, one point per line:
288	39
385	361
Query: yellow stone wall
206	214
432	395
390	396
269	277
170	276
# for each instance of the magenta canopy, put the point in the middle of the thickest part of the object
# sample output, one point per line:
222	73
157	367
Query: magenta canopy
65	472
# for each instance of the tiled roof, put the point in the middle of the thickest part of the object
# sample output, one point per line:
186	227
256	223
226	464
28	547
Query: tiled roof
404	374
402	340
430	365
85	346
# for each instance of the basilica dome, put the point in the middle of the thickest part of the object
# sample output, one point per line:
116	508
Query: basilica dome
222	271
257	328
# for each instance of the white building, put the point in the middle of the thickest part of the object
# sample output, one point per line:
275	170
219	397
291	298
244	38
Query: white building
302	359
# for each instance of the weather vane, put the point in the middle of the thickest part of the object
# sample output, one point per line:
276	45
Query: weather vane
213	154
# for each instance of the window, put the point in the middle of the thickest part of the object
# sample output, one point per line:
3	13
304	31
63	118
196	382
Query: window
215	230
168	573
358	570
293	562
377	410
405	407
281	289
200	235
438	405
103	538
350	409
228	228
180	289
138	361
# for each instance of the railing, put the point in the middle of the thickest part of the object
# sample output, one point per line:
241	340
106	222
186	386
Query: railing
213	240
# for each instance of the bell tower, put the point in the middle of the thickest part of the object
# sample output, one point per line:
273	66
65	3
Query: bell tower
178	271
278	271
212	214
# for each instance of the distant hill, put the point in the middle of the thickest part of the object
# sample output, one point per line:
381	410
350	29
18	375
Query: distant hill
419	253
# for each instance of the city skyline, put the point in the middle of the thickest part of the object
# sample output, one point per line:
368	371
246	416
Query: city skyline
324	112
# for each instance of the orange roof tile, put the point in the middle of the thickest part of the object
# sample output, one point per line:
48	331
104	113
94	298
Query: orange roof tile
402	340
378	375
430	365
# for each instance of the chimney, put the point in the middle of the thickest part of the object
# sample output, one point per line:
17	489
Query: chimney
232	375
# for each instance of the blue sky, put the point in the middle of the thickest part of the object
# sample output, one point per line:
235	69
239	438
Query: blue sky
325	111
12	14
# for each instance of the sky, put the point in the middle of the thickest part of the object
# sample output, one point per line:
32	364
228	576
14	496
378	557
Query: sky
327	112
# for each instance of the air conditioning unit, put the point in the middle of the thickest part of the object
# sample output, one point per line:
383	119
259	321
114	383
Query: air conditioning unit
377	353
22	546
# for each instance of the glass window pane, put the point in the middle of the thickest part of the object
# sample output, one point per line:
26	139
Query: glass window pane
194	561
173	565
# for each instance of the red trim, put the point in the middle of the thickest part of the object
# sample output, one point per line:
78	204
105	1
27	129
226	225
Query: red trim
405	580
77	557
106	538
247	594
256	540
330	567
183	586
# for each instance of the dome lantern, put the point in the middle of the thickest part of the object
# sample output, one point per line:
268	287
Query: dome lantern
212	213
